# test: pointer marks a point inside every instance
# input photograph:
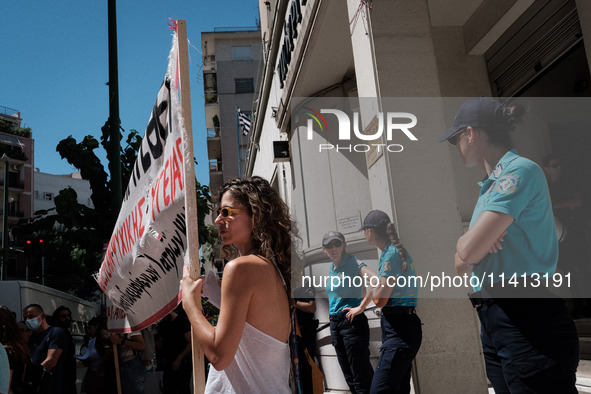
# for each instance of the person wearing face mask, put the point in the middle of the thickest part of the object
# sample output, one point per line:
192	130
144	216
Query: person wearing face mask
46	345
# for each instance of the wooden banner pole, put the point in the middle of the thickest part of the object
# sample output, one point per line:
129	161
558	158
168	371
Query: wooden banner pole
117	373
190	193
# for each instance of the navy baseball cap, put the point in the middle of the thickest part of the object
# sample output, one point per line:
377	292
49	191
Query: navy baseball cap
375	219
476	112
332	235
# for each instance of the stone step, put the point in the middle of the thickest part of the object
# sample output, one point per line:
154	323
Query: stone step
585	348
584	377
583	327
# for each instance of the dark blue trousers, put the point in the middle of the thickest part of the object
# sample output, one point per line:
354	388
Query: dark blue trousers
351	343
401	339
133	376
529	345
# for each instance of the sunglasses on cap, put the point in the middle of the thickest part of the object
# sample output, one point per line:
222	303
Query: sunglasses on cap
455	138
334	244
227	211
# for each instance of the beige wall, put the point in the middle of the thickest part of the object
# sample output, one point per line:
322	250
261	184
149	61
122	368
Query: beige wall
419	189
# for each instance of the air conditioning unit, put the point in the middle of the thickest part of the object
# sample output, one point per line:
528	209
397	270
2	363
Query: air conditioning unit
280	151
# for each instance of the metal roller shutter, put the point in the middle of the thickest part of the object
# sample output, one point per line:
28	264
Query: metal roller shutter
547	30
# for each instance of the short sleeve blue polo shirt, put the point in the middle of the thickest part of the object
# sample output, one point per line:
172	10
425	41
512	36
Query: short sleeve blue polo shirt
518	188
343	290
404	292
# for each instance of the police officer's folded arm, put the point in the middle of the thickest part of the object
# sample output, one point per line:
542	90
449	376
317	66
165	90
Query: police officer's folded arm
477	242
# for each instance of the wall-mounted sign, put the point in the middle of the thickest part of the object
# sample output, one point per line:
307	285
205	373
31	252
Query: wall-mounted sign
290	31
349	222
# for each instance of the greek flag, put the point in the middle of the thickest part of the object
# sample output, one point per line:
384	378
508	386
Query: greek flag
244	122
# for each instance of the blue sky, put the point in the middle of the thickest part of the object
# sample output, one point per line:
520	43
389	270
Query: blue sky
54	66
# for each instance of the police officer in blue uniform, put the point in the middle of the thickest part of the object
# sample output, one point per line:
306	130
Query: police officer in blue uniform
397	296
529	341
350	337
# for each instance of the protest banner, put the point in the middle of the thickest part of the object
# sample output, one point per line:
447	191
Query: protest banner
144	260
156	232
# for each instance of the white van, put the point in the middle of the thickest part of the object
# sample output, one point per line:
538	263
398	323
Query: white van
16	295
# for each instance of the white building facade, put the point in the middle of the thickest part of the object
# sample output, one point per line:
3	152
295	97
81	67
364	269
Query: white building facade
231	59
420	51
48	186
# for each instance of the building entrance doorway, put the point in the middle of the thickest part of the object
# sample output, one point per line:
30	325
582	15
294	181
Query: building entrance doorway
567	170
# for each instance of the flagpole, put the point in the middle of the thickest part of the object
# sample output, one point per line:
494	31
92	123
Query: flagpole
190	195
114	124
238	140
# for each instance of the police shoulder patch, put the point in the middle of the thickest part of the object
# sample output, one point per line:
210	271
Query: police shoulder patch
498	169
387	266
507	183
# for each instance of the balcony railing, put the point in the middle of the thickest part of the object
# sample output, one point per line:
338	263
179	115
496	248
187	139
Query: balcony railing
211	96
13	212
8	111
213	133
9	126
215	165
12	183
232	29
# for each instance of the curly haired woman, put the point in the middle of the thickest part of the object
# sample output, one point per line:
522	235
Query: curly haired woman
249	348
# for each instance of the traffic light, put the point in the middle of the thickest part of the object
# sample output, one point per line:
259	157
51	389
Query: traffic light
34	246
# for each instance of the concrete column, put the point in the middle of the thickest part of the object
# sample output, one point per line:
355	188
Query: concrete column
584	11
398	58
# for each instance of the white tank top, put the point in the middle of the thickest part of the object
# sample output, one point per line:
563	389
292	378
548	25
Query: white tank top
261	365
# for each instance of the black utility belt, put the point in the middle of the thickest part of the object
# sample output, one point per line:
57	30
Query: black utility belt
399	310
342	315
489	295
480	298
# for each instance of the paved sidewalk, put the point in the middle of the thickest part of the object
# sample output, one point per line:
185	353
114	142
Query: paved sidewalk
583	378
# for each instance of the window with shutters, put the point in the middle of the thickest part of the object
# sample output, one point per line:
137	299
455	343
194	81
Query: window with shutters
244	85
